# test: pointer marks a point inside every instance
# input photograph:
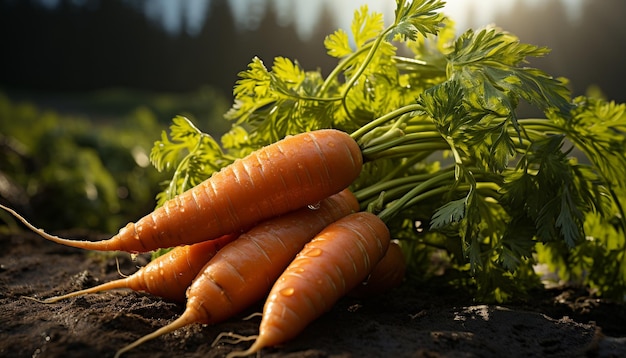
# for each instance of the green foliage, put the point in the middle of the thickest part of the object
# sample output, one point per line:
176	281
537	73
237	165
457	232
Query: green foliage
196	156
449	166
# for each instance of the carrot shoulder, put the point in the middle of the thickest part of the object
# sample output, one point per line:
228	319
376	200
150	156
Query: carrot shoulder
243	272
287	175
168	276
328	267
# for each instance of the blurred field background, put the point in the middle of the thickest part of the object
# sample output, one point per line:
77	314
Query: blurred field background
87	86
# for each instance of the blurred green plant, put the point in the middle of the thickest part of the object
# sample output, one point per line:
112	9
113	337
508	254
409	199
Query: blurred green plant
88	171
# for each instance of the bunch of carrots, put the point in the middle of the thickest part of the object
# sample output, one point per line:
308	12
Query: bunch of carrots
279	223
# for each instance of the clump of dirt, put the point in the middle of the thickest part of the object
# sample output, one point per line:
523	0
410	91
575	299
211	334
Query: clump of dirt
408	322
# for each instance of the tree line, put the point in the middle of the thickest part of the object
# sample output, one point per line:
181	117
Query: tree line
111	43
587	50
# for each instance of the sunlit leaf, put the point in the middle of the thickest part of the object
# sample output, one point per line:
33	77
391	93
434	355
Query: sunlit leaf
416	17
366	26
337	44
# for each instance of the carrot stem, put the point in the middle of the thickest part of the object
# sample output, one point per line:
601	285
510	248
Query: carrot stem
341	66
387	213
368	58
359	133
405	150
385	185
406	139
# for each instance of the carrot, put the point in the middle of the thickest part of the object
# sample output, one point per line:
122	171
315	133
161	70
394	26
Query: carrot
168	276
287	175
387	274
244	271
328	267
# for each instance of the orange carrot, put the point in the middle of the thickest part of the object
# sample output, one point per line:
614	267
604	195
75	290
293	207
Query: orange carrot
168	276
287	175
328	267
243	271
387	274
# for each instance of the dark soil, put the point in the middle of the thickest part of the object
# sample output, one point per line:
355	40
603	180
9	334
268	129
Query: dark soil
409	322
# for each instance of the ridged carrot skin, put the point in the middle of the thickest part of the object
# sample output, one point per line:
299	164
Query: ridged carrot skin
387	274
299	170
243	272
328	267
168	276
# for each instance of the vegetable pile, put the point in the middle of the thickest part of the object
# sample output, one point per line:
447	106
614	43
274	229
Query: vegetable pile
411	150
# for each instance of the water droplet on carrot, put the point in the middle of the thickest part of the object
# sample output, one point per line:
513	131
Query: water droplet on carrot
314	252
287	291
314	206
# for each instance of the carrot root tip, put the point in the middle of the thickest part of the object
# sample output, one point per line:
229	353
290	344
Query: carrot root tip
180	322
47	300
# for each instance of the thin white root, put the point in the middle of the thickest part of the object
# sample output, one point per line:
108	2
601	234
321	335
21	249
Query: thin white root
254	349
255	314
233	338
236	338
117	264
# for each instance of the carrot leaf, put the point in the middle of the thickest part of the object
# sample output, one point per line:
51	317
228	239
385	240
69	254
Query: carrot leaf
451	212
413	17
193	154
366	26
338	44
